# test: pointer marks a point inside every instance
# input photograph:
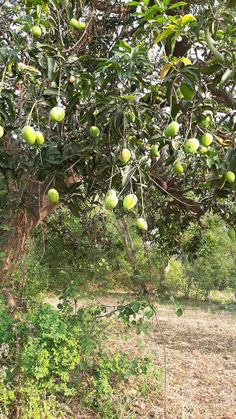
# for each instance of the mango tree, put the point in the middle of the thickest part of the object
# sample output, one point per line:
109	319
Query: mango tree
83	81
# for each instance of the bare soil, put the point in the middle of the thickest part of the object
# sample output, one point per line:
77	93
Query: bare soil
201	364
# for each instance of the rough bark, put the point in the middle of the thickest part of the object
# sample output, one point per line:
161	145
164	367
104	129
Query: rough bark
33	209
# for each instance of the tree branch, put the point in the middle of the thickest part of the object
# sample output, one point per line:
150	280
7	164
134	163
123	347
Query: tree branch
223	96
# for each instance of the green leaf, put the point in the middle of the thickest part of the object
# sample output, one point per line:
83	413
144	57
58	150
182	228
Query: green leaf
164	35
135	306
133	3
148	313
51	67
127	175
178	4
179	312
123	44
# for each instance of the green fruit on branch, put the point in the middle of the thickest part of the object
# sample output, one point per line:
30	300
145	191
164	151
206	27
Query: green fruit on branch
72	79
81	26
1	131
154	151
210	43
74	23
129	201
53	196
94	132
187	91
172	129
203	150
111	192
206	139
191	145
57	114
231	233
39	138
141	224
125	155
230	177
36	31
205	121
29	134
178	168
111	202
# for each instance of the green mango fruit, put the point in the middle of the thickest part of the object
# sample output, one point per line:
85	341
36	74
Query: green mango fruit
141	224
129	201
172	129
53	196
230	177
57	114
29	134
125	155
39	138
36	31
191	145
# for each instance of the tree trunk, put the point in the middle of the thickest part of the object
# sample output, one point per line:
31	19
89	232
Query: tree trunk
163	271
34	208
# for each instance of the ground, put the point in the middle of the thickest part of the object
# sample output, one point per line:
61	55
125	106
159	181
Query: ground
201	364
201	355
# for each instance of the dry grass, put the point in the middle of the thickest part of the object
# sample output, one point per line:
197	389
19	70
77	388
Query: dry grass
201	365
201	358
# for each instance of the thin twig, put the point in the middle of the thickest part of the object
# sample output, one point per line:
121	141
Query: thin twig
172	196
81	38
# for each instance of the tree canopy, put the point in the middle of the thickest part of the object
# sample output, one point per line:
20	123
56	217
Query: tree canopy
122	72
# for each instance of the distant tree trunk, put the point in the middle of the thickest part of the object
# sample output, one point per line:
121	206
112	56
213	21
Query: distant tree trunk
33	209
189	286
163	271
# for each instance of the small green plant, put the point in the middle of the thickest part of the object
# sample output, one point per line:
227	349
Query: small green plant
50	358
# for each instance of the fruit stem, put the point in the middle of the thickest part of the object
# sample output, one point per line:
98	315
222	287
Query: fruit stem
38	119
168	193
3	78
111	177
141	186
190	126
59	26
30	114
59	89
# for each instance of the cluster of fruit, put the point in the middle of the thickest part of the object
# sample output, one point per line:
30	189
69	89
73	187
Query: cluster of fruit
190	146
129	202
74	24
57	114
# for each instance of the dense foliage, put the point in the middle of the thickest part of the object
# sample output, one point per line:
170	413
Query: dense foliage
76	258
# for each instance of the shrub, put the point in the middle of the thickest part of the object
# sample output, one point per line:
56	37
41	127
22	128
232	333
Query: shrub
52	358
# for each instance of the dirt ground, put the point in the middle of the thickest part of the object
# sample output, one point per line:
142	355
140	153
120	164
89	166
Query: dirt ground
201	364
